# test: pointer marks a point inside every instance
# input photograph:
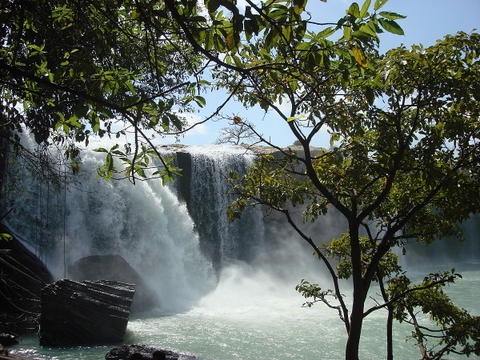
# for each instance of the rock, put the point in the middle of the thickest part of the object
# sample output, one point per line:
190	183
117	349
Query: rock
23	277
115	267
125	351
84	313
8	339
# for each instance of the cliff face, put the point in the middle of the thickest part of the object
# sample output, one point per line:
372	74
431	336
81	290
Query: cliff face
204	188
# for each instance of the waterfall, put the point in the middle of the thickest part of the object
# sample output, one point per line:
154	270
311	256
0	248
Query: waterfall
145	223
177	237
449	250
205	188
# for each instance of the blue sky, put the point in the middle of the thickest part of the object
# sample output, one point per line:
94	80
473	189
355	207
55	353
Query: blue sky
427	21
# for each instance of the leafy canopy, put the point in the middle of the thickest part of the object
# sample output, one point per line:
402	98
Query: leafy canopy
404	132
71	70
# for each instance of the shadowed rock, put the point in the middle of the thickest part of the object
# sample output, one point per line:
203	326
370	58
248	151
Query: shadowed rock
23	276
115	267
84	313
125	351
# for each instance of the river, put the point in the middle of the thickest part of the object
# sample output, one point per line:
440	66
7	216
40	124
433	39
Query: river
249	317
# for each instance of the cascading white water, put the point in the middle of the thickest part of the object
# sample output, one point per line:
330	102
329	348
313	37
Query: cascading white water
222	240
144	223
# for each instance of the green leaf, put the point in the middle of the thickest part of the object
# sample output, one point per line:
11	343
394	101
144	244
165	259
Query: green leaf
134	14
165	123
109	162
118	153
126	160
176	122
209	40
378	4
129	86
391	26
364	9
153	122
141	172
303	46
237	61
219	43
6	237
200	100
213	5
287	33
231	40
347	32
251	27
370	95
81	111
326	32
368	28
299	6
391	15
354	10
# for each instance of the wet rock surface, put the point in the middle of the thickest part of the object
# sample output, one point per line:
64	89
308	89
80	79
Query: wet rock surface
84	313
23	276
124	352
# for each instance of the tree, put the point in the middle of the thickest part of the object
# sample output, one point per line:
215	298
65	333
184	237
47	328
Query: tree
71	70
237	133
404	126
404	131
404	168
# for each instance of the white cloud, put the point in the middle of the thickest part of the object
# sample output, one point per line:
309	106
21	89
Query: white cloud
195	120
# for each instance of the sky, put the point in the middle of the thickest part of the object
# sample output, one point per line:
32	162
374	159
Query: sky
427	21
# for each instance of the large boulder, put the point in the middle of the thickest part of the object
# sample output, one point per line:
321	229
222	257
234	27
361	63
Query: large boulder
124	352
23	276
84	313
115	267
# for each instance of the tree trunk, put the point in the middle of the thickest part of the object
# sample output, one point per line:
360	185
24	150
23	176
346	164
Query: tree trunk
359	293
390	333
356	322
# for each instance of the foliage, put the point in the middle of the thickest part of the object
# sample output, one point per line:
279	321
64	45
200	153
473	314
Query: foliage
6	237
71	70
404	134
404	166
452	330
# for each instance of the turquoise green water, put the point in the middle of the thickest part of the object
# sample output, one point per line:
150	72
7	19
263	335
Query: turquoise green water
252	318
